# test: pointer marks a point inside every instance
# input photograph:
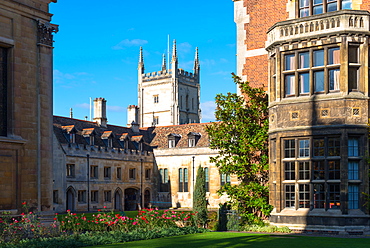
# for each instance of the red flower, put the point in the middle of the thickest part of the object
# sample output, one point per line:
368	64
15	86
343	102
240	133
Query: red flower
24	203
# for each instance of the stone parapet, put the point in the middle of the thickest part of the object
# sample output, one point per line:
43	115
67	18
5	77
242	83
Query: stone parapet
343	21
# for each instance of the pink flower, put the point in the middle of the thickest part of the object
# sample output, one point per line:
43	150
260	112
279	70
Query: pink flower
135	223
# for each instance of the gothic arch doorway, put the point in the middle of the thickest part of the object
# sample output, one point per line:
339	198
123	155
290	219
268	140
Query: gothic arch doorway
147	199
118	200
70	204
131	199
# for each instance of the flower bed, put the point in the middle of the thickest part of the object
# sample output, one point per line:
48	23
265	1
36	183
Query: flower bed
77	230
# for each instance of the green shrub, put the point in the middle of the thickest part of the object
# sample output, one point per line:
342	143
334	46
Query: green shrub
266	228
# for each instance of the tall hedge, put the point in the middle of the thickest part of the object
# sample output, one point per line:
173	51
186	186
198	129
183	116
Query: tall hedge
199	199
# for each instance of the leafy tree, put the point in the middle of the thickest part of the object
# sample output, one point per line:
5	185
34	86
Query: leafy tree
241	136
199	199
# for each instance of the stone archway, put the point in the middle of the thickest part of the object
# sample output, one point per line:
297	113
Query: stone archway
70	196
131	199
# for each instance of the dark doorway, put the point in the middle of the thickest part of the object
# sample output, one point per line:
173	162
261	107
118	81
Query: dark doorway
70	199
131	199
147	199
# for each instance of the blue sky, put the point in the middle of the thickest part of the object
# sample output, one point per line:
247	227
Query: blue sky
97	48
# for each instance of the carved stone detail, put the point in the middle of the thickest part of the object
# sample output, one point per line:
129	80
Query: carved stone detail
45	33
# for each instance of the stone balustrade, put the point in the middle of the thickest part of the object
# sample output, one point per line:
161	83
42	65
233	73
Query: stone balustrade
338	22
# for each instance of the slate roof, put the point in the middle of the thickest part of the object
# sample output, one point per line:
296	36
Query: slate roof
62	125
161	133
151	137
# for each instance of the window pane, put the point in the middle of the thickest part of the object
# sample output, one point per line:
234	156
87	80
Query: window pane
353	147
318	58
289	170
319	81
3	92
304	60
352	78
304	170
289	84
304	196
334	196
353	197
334	169
304	83
353	54
318	147
334	56
332	6
318	170
289	195
319	195
346	4
333	147
289	148
304	3
353	170
289	62
334	79
304	148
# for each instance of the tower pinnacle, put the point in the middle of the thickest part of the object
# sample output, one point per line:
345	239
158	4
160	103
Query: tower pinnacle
196	62
141	61
164	65
174	51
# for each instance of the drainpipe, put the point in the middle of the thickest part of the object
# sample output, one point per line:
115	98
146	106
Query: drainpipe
88	182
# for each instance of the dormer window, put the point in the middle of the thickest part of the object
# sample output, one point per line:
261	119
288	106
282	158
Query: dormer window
89	135
124	141
193	139
107	137
138	142
70	133
173	139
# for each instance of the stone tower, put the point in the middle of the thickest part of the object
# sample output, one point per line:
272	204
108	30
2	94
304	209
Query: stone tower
167	97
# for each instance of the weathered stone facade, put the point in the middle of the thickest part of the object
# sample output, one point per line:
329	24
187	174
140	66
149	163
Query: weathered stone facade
178	163
26	45
316	67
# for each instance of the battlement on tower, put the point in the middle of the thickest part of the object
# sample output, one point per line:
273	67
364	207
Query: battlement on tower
181	74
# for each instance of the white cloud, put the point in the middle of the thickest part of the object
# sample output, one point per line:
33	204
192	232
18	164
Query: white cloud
116	108
129	43
184	47
208	111
223	73
83	105
71	80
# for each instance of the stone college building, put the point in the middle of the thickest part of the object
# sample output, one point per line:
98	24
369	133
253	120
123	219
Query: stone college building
313	56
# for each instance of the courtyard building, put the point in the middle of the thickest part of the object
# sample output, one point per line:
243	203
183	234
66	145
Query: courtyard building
26	55
313	56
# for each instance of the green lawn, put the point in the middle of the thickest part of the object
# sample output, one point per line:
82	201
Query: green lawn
231	240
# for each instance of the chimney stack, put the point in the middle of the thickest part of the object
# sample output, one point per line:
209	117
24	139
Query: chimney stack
100	111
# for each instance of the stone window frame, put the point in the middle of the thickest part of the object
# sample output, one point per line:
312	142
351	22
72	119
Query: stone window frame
156	98
327	6
164	180
225	179
4	88
132	174
183	180
107	172
298	72
94	172
81	196
119	173
295	172
148	173
107	195
94	196
71	170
